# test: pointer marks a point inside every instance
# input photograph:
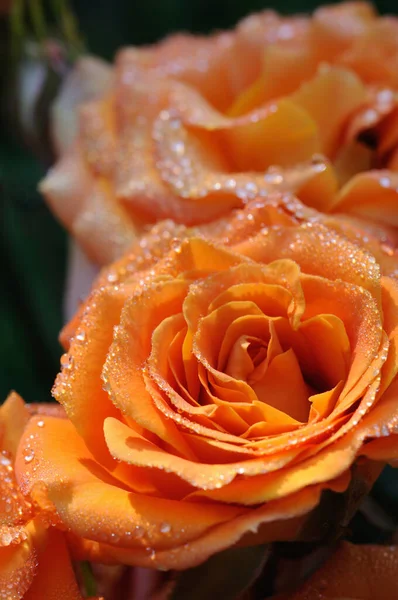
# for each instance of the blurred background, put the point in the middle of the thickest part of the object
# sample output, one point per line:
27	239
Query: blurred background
33	247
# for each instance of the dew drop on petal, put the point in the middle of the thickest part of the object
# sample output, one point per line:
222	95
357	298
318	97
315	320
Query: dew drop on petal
165	528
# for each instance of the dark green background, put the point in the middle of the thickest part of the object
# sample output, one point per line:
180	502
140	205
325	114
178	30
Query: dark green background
33	245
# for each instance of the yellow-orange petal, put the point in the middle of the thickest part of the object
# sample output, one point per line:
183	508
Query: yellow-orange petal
284	135
79	387
95	505
289	395
336	26
372	195
279	520
307	245
318	191
13	418
330	459
132	448
390	326
18	569
131	347
329	99
42	457
55	578
358	310
327	337
285	67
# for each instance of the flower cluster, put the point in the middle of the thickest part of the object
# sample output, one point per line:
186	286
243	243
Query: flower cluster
194	127
238	359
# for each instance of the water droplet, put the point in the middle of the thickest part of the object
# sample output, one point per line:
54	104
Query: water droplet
81	337
151	552
4	460
40	423
139	531
165	528
29	457
6	538
66	361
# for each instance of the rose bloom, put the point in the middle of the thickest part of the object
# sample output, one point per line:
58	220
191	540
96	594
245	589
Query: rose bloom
216	389
195	126
34	558
353	573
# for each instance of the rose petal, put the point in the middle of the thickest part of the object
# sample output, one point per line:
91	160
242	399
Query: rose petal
325	465
80	200
134	449
79	387
277	520
390	316
93	505
329	99
371	569
283	135
372	195
18	568
130	348
307	245
89	79
13	418
55	578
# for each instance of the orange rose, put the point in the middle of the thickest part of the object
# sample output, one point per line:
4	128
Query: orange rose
34	559
214	393
354	573
196	126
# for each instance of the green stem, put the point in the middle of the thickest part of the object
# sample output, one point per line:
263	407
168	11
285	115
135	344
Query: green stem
38	19
90	586
17	25
68	25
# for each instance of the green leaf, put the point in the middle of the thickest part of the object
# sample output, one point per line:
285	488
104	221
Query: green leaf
224	576
89	583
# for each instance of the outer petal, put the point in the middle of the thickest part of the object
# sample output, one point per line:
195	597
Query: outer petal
79	387
390	326
134	449
94	504
139	529
55	578
13	417
384	449
330	98
89	79
353	572
280	520
18	568
88	207
123	369
307	245
372	195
